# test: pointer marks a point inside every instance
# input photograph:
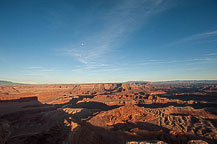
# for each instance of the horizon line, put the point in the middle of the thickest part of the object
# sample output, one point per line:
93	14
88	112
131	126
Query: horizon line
129	81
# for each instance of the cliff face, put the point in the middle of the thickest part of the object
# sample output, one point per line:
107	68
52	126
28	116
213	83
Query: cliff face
47	93
128	87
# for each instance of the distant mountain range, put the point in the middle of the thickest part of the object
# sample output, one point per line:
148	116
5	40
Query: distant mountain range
137	82
8	83
175	81
189	81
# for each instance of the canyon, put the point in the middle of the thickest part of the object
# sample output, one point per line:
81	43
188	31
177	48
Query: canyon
104	113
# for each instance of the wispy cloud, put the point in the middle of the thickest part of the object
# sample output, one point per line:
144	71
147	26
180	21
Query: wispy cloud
105	70
39	68
200	37
35	67
176	61
38	71
95	68
206	34
201	59
118	23
151	62
212	54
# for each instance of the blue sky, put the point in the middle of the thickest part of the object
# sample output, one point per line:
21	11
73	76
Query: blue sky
85	41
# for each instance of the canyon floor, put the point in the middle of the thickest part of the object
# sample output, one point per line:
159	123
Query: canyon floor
109	113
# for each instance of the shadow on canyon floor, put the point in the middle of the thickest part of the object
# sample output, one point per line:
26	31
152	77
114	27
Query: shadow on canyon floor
43	123
186	97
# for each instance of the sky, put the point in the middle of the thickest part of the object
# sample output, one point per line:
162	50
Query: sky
92	41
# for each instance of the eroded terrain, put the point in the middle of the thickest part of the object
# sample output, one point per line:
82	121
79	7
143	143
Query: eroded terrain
169	112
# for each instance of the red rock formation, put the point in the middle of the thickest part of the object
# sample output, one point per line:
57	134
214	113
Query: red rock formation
109	113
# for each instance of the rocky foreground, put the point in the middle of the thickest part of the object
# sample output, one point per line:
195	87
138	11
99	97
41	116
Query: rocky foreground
117	113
